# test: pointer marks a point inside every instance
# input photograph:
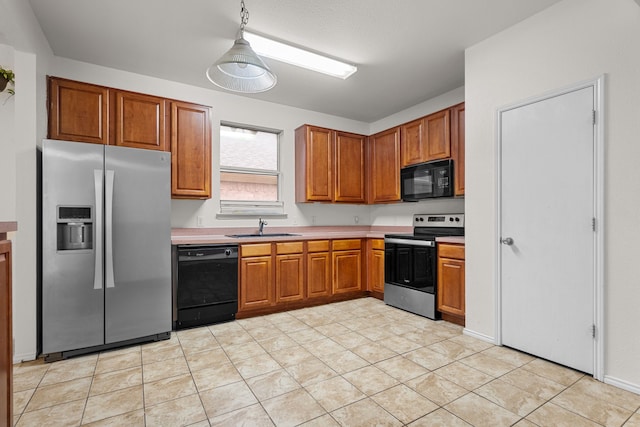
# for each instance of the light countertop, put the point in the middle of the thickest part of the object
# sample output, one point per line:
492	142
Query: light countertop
7	227
183	236
451	239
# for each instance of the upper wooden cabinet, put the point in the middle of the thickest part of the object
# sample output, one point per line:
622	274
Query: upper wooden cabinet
190	151
457	148
413	149
78	111
314	164
349	168
384	166
330	166
89	113
139	121
426	139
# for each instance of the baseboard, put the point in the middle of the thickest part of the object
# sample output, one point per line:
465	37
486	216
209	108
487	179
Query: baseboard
625	385
24	357
478	335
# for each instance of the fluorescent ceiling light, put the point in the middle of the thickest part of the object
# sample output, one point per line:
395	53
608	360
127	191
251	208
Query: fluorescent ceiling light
299	57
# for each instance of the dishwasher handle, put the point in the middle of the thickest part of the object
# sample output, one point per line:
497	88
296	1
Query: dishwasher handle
204	254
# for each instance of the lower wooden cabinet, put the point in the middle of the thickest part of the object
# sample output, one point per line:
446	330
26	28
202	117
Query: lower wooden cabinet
296	274
256	276
289	272
451	282
375	270
6	335
318	269
346	262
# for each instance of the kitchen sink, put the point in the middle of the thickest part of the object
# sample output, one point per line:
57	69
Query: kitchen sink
239	236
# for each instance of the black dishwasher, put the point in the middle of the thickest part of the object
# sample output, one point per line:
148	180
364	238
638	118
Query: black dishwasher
205	284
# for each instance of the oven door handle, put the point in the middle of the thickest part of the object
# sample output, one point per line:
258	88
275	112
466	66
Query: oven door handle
429	243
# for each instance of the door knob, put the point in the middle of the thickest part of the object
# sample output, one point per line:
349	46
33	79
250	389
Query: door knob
508	241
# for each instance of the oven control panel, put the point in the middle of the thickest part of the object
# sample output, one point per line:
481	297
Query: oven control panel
438	220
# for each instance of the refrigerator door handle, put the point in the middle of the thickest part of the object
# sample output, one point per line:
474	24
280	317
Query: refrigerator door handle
99	267
109	229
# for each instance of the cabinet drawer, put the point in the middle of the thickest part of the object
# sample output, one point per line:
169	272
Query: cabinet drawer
344	245
318	246
289	248
377	244
450	251
258	249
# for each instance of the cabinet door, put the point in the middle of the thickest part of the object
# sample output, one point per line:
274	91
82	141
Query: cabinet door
413	145
347	272
314	164
350	168
376	283
318	274
139	121
451	286
457	148
6	338
190	151
384	166
438	139
289	278
78	111
256	282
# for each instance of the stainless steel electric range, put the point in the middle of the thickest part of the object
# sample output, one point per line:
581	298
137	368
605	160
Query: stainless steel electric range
410	274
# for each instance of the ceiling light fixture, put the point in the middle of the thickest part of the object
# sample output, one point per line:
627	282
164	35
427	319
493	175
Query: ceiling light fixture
300	57
241	69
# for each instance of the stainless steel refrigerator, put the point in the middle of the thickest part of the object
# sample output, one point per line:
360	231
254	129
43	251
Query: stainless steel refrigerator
106	247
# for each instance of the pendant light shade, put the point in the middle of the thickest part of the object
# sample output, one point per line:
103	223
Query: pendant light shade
241	69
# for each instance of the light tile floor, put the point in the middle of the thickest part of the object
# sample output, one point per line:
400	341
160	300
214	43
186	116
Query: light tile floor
353	363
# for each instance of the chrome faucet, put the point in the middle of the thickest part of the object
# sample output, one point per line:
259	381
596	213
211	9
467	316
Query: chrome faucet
261	224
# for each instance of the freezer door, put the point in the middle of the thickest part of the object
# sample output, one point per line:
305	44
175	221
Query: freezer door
72	287
137	243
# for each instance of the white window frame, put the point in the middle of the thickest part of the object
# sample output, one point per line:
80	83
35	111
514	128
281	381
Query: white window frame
251	208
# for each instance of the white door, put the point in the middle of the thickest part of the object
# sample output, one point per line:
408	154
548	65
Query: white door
548	243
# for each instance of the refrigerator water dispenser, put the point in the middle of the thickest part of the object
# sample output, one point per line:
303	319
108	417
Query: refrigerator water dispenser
75	228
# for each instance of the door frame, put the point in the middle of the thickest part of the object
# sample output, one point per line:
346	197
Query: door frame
598	85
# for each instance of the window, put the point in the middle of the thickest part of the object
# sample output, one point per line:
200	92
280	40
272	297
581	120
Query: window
249	171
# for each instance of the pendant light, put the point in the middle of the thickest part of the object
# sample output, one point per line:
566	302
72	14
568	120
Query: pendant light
241	69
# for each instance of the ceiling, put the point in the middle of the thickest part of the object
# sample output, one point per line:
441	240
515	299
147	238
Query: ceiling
407	51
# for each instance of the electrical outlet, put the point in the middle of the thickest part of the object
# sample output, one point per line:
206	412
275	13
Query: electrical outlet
356	219
200	221
313	219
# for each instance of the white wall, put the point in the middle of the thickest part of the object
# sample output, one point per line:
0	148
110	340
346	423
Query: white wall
573	41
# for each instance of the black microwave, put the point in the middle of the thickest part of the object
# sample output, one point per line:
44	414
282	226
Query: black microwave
427	180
